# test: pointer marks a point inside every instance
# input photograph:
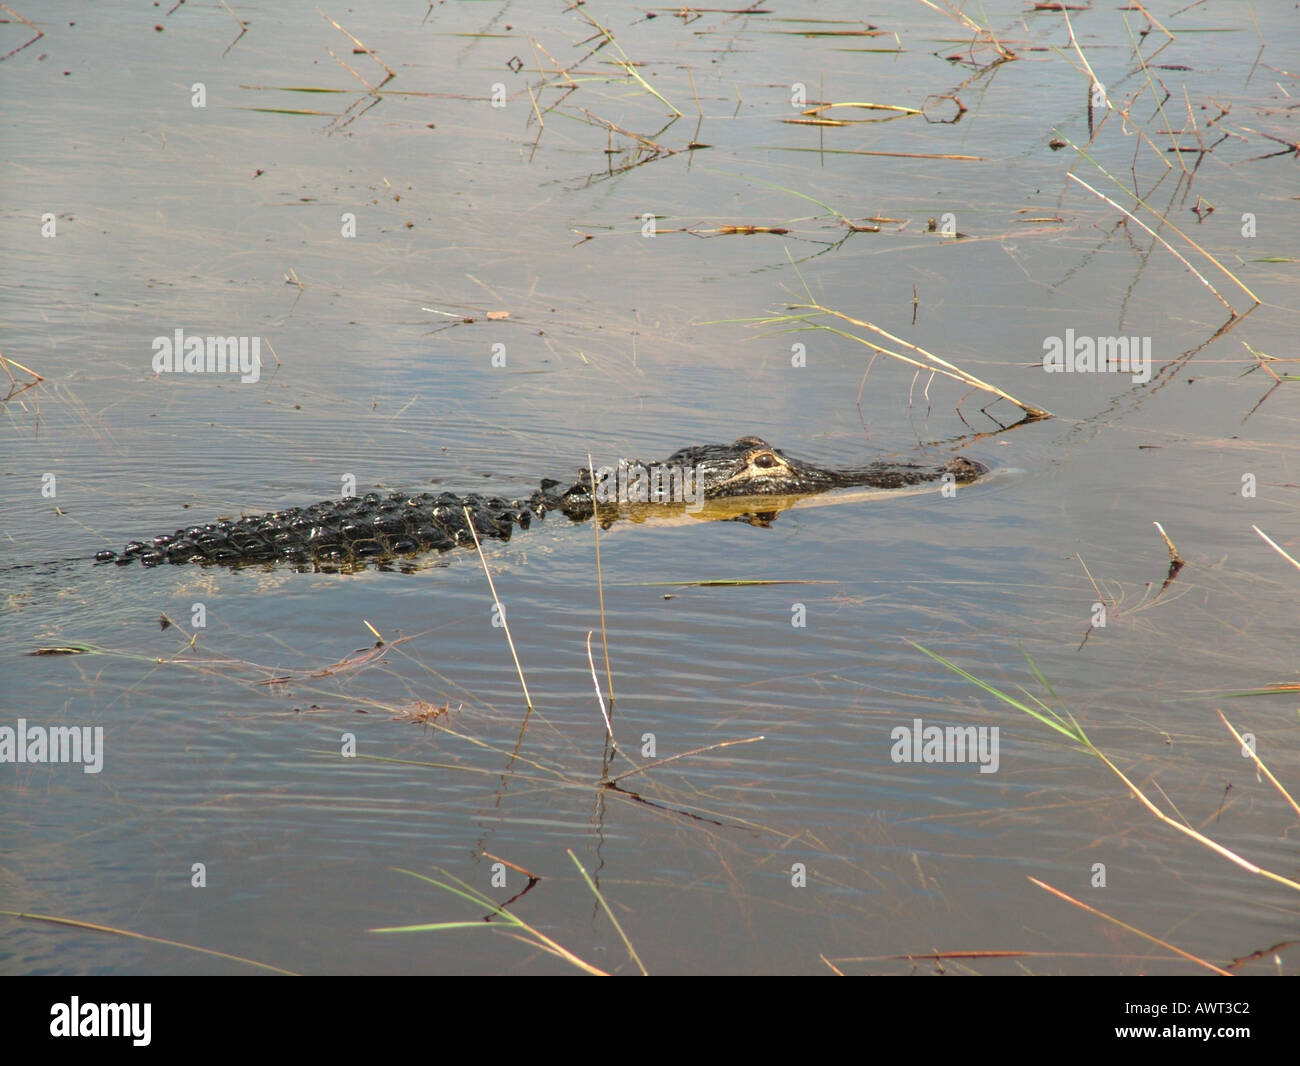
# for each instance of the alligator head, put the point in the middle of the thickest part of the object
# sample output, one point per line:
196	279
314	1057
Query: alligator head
752	467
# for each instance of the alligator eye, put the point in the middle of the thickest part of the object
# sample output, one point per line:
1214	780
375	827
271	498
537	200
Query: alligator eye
765	461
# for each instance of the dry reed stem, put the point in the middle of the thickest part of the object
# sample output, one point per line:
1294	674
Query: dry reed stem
1276	547
979	30
933	362
600	699
31	26
627	66
1199	837
243	28
1178	255
97	928
1124	925
685	754
600	589
391	72
505	624
1249	750
1174	557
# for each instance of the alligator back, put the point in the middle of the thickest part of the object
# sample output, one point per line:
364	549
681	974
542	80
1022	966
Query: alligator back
354	529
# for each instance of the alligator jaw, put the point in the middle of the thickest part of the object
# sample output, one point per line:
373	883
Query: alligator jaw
901	475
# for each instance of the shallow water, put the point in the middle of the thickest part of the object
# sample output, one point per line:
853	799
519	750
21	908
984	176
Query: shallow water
230	219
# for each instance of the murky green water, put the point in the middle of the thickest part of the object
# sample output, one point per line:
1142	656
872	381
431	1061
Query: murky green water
371	243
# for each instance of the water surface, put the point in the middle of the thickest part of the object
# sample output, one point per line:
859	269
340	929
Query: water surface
373	241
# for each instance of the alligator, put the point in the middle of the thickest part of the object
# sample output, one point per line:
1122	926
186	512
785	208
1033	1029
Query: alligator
374	527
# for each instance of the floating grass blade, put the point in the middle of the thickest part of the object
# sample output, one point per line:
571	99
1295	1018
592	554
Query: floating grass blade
512	923
629	67
605	906
1073	730
1051	719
